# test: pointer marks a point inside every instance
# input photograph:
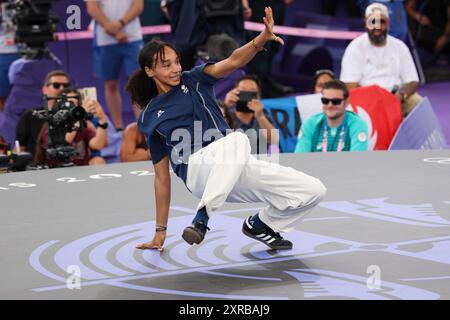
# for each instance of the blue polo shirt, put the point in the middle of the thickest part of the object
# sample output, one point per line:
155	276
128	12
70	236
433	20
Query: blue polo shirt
183	120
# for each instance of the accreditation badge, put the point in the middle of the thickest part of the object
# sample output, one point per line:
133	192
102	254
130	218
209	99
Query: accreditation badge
362	137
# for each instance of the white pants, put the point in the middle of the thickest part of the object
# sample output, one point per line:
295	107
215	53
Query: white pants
225	171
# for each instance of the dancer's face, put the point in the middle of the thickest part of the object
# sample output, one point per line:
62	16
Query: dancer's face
167	70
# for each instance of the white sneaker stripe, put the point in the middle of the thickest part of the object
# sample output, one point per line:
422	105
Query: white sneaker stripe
267	238
272	240
261	235
248	224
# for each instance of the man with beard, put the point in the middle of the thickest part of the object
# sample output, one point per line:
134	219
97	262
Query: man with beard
377	58
336	129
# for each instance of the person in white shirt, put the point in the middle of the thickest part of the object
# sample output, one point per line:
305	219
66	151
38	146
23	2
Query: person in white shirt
117	42
378	58
8	54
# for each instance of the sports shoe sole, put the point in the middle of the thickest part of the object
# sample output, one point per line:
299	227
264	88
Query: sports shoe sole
191	236
286	247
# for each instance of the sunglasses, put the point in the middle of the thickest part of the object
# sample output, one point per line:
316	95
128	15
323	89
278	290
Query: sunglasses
57	85
335	101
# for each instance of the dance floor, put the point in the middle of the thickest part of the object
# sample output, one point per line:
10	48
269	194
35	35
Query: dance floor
382	232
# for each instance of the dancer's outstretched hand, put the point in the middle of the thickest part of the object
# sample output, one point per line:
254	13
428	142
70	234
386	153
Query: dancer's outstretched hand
269	23
157	242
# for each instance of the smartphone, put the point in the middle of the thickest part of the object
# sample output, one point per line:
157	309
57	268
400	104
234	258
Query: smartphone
244	98
89	93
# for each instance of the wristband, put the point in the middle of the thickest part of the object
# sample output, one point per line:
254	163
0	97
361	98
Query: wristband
103	125
160	228
122	22
258	48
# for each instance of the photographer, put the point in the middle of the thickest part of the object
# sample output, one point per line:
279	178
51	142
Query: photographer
32	130
29	127
249	114
133	147
82	137
8	52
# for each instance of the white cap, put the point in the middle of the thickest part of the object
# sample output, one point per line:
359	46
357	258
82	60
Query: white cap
377	8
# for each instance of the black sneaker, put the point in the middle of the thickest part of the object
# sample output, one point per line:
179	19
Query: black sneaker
195	233
267	236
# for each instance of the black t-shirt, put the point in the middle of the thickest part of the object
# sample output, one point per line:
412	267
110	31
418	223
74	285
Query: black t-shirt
28	129
436	10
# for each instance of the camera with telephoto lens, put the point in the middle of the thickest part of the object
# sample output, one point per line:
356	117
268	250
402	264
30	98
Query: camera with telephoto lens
34	25
62	118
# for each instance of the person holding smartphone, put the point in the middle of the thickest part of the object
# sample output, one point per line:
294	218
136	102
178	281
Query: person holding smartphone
249	115
89	96
184	127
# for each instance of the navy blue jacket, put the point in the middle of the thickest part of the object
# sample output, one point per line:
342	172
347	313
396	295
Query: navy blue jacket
192	101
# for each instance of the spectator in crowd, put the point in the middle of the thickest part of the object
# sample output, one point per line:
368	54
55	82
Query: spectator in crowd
152	15
223	20
133	147
8	54
188	28
83	140
378	58
4	147
261	65
329	7
117	41
193	22
29	129
227	114
29	126
252	118
96	155
320	78
336	129
397	16
430	25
